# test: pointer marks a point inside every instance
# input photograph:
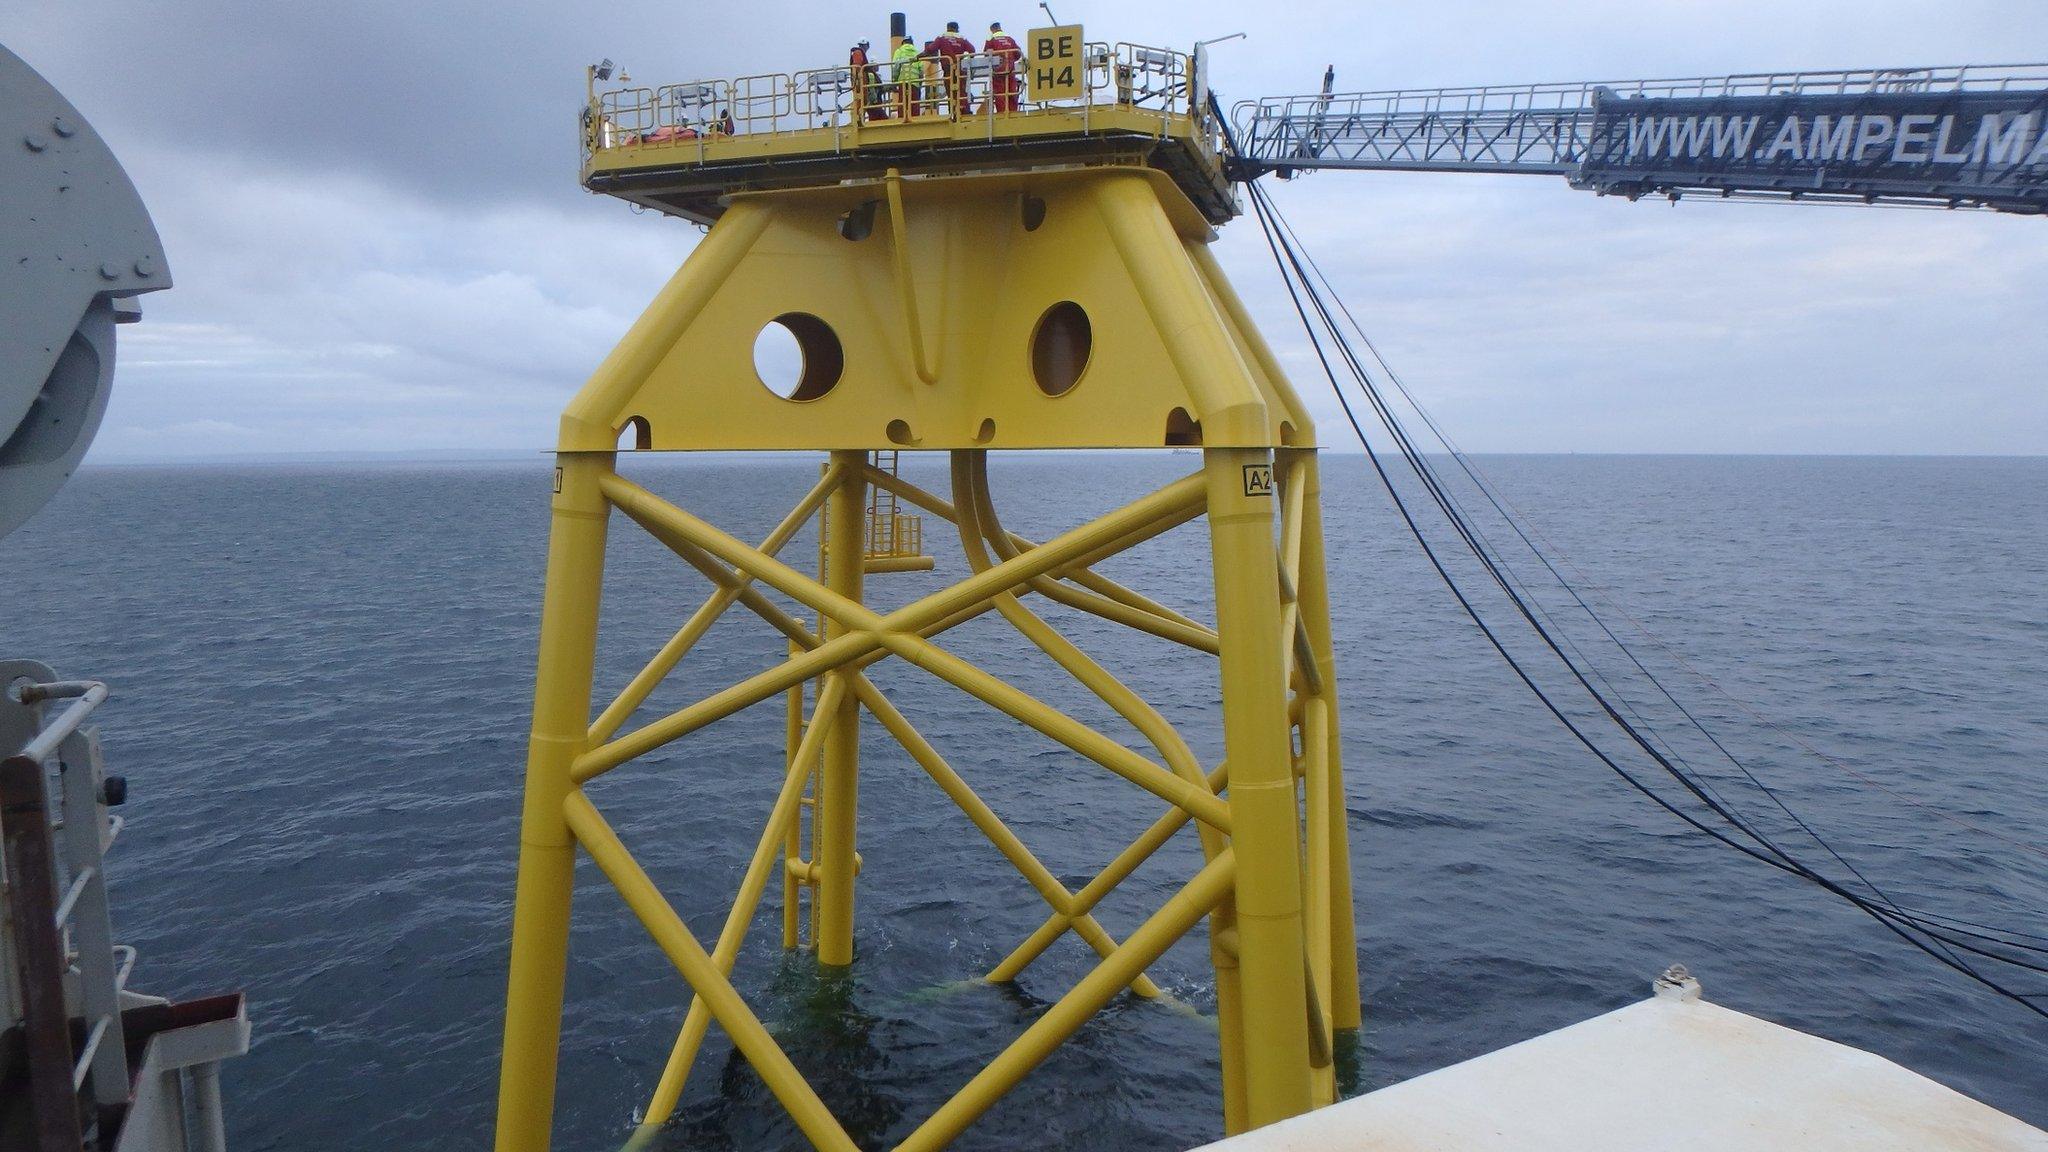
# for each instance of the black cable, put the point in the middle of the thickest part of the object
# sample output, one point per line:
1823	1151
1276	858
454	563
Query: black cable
1485	489
1769	850
1889	914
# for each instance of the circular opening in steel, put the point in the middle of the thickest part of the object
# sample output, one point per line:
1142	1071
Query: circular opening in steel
797	356
1059	348
1034	213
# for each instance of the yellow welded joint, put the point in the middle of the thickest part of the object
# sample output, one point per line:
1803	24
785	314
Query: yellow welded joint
598	412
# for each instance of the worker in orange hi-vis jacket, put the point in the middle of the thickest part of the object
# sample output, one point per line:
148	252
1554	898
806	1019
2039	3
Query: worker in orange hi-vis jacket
869	94
1008	64
952	50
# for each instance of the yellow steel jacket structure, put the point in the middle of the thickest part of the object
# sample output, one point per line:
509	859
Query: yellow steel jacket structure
1110	325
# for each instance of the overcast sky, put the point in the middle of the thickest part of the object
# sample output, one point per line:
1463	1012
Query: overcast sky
372	215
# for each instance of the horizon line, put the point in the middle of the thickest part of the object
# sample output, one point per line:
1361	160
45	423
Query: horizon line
515	455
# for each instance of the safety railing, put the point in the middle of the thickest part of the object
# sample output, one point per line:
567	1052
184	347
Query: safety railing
889	533
979	86
892	535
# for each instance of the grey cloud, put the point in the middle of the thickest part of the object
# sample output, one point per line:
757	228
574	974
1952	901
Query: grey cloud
379	244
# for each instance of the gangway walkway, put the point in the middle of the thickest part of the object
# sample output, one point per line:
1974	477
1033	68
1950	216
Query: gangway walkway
1968	136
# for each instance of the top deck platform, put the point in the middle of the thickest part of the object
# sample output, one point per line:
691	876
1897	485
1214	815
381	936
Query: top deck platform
682	148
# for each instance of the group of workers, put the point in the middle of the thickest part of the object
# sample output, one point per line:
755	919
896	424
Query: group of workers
911	83
916	82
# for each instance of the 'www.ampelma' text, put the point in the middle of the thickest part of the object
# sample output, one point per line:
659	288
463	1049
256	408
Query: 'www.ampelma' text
1993	141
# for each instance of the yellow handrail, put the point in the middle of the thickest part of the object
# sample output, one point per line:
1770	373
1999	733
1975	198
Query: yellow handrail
953	89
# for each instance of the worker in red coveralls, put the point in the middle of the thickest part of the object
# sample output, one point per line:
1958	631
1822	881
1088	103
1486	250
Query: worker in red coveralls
934	78
952	50
1008	63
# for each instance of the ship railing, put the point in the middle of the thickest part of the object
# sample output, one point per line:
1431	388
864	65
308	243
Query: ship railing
978	87
61	959
66	981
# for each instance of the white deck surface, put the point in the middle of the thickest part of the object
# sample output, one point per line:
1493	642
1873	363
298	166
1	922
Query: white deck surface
1662	1074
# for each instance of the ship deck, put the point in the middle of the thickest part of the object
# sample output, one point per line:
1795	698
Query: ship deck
1673	1073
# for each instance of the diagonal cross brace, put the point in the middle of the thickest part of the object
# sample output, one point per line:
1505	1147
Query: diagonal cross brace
893	633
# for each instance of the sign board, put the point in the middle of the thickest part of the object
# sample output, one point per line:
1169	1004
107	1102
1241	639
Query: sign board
1975	145
1053	61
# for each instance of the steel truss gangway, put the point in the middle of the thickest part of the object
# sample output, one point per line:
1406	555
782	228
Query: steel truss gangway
1962	137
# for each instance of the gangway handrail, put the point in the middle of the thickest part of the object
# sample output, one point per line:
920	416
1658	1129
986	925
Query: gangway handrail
1254	120
1577	95
1589	131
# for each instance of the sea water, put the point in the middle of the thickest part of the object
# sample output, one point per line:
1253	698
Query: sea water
322	682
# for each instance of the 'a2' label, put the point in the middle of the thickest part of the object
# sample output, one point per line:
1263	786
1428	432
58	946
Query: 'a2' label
1258	479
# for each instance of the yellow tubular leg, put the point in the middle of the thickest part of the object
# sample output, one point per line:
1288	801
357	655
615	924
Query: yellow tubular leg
793	836
561	709
1262	1023
781	817
1316	918
1266	835
1230	1035
1345	1010
1180	913
731	1012
807	880
1304	672
838	782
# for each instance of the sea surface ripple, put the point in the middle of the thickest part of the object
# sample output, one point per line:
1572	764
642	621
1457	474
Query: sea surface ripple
322	681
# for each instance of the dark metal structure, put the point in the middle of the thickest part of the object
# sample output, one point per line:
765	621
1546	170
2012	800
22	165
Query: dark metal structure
85	1061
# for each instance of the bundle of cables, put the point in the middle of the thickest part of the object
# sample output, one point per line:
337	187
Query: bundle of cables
1990	955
